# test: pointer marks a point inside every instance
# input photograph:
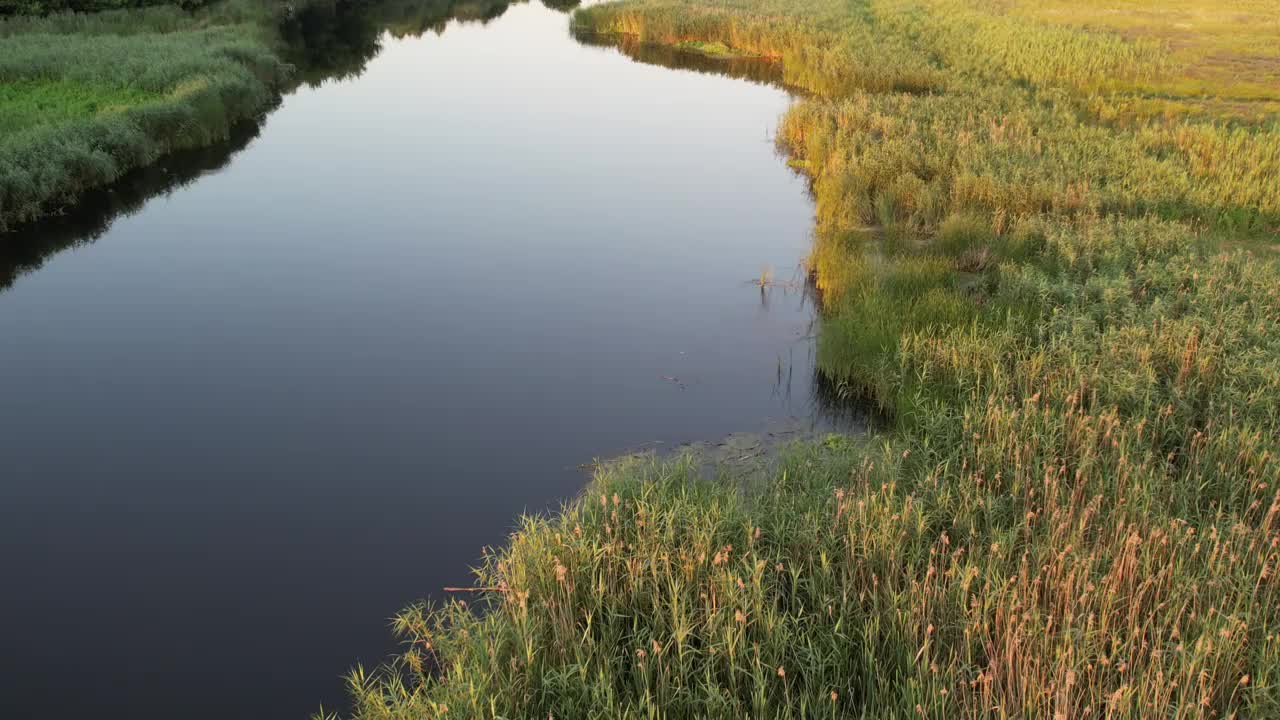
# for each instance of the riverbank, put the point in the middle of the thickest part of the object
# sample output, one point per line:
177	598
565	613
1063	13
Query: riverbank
1046	244
89	97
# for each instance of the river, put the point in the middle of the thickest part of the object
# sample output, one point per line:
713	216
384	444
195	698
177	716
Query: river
259	397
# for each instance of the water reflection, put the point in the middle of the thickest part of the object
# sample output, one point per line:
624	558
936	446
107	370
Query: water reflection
746	68
26	249
335	40
563	6
828	405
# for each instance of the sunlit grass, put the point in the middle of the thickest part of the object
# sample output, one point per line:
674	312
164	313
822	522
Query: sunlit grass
1223	57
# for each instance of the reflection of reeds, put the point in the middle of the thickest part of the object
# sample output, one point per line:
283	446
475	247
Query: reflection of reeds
767	280
744	66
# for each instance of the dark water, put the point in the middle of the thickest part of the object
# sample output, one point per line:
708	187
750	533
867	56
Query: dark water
264	395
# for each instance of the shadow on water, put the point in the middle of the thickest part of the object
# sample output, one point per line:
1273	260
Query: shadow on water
335	40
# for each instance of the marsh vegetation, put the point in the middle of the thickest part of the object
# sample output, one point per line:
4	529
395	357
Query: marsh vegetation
1046	244
1045	241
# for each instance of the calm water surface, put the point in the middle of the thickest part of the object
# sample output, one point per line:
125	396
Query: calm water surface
306	383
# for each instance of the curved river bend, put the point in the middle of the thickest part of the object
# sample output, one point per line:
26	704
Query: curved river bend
280	389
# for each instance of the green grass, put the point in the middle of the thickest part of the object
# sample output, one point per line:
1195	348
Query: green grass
88	98
29	103
1044	242
712	49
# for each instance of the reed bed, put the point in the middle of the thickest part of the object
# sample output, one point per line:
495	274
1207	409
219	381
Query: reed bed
1055	276
828	60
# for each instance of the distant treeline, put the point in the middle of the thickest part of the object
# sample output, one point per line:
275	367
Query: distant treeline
45	7
48	7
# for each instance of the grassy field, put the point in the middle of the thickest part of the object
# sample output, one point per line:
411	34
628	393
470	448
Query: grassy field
1046	240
